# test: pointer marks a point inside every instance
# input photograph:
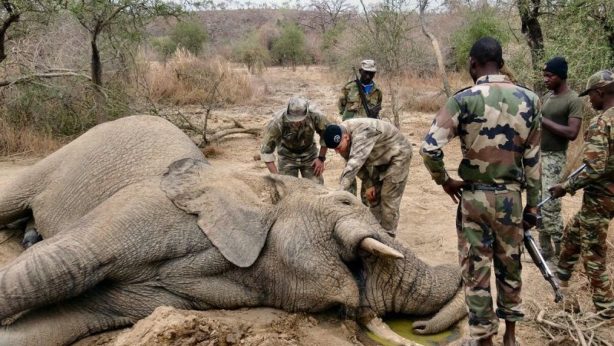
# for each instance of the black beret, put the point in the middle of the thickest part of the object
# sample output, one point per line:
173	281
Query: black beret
332	136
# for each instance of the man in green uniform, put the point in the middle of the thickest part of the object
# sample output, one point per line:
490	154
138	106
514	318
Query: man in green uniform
561	120
379	155
350	105
587	232
499	126
291	131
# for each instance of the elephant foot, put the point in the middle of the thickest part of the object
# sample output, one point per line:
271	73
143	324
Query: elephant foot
30	238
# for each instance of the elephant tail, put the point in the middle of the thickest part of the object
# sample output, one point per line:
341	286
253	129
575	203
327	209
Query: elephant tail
449	314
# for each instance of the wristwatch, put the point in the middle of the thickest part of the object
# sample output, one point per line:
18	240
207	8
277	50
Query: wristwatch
322	158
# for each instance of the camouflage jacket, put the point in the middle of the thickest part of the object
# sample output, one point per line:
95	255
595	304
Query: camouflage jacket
375	146
349	100
598	154
499	125
293	139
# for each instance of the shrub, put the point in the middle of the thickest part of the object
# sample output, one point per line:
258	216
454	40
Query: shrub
289	48
186	79
481	23
252	53
189	35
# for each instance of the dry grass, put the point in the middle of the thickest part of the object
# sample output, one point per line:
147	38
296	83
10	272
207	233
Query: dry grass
25	141
187	79
426	94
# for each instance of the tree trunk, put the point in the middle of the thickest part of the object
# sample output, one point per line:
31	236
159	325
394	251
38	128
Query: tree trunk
529	13
96	65
439	57
13	18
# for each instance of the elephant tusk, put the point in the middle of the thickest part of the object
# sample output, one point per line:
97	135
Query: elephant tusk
379	249
381	329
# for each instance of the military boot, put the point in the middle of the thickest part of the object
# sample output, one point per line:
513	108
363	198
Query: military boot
545	242
557	248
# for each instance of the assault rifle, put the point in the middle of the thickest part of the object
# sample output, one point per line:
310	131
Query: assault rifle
371	112
536	256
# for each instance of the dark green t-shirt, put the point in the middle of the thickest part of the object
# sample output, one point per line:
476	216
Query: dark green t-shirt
559	108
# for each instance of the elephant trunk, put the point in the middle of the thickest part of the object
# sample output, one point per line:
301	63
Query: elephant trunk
411	286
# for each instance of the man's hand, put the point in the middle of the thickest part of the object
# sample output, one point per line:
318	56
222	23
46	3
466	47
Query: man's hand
557	191
530	217
371	194
318	167
453	188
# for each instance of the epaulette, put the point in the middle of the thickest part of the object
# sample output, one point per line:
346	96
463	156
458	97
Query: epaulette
463	89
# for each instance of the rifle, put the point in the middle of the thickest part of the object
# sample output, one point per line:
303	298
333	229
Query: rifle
536	256
371	113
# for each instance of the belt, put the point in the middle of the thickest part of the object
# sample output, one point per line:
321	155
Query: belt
484	187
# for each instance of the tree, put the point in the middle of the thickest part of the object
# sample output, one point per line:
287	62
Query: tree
189	35
13	11
328	14
289	48
529	11
116	18
252	53
440	64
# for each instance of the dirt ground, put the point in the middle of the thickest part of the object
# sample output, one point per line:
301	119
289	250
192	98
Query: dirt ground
426	226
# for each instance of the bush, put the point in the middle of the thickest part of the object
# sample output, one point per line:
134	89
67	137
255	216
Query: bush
186	79
189	35
289	48
252	53
481	23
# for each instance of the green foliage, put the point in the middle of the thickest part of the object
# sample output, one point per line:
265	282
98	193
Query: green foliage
289	48
164	46
65	108
480	23
251	52
582	32
189	35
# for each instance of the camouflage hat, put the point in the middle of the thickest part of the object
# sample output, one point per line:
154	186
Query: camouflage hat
297	108
368	65
598	80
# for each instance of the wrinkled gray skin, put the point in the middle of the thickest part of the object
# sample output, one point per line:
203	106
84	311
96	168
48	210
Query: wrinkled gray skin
133	218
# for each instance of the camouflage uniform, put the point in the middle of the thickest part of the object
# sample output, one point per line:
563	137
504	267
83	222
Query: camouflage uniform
588	230
499	125
380	156
550	231
295	145
349	102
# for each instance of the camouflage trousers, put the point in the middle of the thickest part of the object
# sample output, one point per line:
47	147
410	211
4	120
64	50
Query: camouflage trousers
389	192
586	235
553	163
292	166
489	227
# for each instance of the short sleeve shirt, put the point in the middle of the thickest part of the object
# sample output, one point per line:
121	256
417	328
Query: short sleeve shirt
559	108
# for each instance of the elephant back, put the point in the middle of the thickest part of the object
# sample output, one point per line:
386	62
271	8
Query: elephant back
104	160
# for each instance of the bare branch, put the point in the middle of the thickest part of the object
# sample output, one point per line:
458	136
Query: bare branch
28	78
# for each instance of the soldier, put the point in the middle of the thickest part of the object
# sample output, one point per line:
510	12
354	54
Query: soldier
350	105
499	127
561	120
587	232
379	155
291	131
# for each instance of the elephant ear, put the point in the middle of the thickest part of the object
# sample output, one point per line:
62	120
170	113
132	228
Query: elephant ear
233	219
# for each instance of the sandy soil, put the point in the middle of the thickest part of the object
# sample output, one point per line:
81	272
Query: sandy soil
426	226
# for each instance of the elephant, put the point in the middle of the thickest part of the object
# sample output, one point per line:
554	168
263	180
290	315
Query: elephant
133	217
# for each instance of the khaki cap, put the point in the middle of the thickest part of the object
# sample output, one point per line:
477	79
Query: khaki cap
368	65
297	108
598	80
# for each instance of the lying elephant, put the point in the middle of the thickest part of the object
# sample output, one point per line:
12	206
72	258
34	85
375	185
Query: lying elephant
133	218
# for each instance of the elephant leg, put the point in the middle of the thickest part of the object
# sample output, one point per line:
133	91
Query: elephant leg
15	197
54	270
103	308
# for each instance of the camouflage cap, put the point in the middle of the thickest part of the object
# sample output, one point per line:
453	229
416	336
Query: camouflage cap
297	108
368	65
598	80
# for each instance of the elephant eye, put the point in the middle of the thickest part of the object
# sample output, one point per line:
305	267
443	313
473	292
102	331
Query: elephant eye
346	201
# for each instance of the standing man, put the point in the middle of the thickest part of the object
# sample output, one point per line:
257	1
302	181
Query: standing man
291	132
379	154
350	104
498	124
588	230
561	120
